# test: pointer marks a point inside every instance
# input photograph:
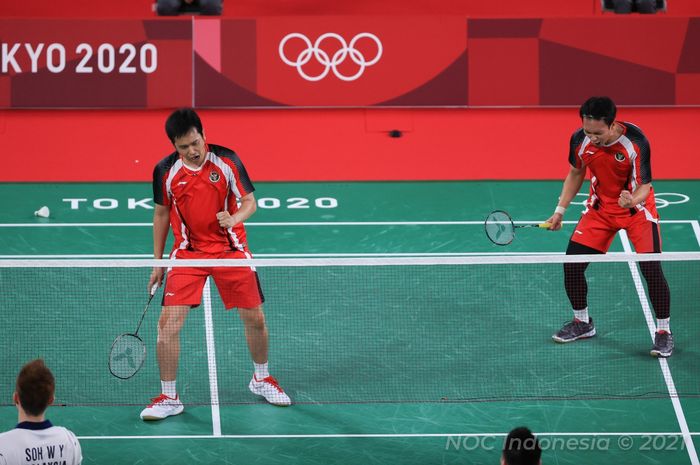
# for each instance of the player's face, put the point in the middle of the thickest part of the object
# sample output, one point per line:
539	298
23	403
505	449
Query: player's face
192	147
597	131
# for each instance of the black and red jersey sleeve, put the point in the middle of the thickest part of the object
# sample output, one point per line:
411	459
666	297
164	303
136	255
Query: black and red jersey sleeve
641	145
574	146
242	180
160	175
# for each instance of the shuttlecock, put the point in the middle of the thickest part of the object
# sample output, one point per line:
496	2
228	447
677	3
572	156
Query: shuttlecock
43	212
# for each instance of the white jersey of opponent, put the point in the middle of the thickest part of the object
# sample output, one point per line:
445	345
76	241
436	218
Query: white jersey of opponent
32	443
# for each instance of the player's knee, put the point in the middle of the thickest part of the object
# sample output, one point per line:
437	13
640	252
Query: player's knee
651	270
165	334
253	318
169	325
572	270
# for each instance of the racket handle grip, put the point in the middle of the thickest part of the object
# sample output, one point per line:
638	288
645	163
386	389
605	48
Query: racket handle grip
154	288
544	225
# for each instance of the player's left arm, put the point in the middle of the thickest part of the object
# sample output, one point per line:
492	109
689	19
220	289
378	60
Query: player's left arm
246	210
642	171
630	199
240	186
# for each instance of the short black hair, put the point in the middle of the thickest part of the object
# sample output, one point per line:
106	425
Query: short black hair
35	387
601	108
521	447
180	122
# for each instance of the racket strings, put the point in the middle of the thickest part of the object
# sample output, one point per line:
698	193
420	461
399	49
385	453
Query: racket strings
499	228
127	355
128	351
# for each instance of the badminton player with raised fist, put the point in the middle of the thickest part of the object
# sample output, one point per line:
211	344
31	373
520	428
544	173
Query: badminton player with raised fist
197	190
621	197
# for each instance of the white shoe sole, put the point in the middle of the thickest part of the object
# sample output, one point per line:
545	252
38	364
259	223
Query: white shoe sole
177	411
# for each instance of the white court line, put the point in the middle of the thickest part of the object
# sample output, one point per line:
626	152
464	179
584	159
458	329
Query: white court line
295	223
670	385
297	255
67	256
67	225
696	229
378	435
211	358
325	255
277	224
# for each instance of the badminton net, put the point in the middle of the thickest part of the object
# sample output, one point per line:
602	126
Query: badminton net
452	329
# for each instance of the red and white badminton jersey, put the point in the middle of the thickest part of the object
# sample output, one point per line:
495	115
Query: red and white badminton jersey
195	197
622	165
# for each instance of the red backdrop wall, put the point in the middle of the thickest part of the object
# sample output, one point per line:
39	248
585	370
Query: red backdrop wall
250	8
313	145
349	61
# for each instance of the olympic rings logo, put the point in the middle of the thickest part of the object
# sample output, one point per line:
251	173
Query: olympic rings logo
663	199
330	62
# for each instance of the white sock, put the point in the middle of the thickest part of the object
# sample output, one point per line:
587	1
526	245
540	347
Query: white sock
261	371
168	388
663	324
582	315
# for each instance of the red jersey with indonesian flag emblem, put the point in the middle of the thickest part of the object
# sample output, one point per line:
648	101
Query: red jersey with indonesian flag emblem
196	196
622	165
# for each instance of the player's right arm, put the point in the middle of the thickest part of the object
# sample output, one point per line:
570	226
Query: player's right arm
573	181
572	184
161	226
161	217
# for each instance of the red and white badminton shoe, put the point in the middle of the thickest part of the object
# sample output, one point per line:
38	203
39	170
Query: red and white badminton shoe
270	389
162	407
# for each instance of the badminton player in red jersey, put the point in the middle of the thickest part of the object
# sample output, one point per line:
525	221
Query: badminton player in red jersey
196	190
621	197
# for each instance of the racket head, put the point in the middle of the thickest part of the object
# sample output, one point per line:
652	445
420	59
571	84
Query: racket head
499	227
126	356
